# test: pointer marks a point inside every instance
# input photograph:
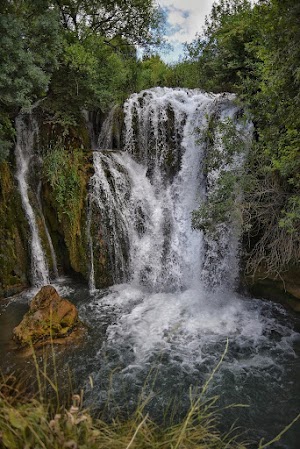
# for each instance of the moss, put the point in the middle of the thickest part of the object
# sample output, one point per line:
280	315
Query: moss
66	176
49	314
14	235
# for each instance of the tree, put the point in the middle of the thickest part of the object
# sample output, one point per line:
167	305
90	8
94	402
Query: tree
29	48
74	53
221	55
137	21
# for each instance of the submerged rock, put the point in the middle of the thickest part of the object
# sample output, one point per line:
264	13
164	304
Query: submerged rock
49	317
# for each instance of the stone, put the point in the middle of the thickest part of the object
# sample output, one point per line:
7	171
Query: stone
283	287
49	317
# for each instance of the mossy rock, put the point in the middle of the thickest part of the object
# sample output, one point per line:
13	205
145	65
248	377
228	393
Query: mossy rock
49	317
14	236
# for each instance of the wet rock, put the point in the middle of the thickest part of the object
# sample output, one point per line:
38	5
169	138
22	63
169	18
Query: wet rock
283	287
49	318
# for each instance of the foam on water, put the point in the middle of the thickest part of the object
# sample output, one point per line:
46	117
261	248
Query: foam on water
192	327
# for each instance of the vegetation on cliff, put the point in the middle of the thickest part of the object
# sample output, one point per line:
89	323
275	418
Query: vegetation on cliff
253	50
14	261
66	177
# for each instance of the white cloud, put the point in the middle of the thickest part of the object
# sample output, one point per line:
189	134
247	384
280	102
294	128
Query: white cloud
195	11
185	19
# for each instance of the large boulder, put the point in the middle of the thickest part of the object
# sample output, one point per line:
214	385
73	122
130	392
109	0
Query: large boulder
49	317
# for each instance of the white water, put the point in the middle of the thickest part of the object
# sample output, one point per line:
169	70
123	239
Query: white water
165	323
26	134
147	193
105	139
176	292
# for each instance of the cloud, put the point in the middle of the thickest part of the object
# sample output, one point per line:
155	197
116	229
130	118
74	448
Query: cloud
188	14
185	18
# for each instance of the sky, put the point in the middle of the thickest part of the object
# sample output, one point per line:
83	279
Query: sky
184	19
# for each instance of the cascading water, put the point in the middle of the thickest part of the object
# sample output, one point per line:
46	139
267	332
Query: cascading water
26	134
106	136
51	247
173	304
147	193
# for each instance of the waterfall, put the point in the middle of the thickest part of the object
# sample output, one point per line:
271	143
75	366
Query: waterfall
26	134
146	193
172	303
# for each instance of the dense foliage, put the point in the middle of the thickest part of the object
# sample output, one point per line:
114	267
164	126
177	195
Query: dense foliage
72	54
29	49
254	51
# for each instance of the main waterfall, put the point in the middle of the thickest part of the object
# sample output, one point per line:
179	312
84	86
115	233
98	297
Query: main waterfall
146	193
164	324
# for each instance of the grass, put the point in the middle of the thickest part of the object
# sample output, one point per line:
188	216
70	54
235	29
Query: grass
32	422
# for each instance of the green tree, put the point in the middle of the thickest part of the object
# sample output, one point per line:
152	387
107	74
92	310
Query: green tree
221	56
91	75
137	21
254	50
152	71
75	54
29	47
274	101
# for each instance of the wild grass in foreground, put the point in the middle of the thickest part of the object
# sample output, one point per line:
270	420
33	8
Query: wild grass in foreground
33	423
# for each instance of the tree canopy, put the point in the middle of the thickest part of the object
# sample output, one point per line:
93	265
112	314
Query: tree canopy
137	21
73	54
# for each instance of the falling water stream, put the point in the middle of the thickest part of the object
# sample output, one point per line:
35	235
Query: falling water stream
164	324
26	134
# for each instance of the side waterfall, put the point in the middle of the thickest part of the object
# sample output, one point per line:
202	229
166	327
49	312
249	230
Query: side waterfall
26	134
146	193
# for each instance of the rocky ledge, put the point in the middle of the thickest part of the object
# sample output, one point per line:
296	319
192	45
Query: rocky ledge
50	319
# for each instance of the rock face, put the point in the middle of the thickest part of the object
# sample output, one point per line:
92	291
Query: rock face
284	288
14	235
49	317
